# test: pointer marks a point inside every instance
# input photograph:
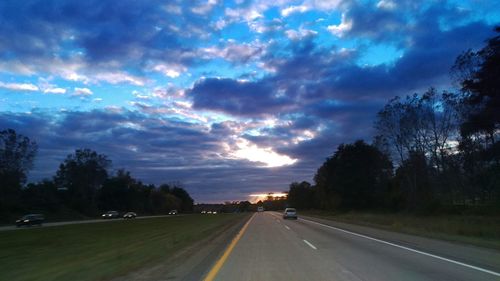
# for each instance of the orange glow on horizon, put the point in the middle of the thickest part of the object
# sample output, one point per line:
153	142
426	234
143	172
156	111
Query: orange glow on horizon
264	196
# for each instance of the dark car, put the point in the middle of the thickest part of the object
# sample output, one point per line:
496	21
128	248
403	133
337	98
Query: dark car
29	220
130	215
111	215
173	212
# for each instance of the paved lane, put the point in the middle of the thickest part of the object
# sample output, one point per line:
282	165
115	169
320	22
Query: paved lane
273	249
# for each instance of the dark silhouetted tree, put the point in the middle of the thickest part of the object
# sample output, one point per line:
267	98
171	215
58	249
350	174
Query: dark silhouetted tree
301	195
355	177
415	179
83	174
183	195
478	75
17	153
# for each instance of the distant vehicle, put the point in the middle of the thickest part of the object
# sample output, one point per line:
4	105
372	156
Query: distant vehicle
214	213
130	215
203	212
290	213
111	215
260	209
173	212
209	212
31	219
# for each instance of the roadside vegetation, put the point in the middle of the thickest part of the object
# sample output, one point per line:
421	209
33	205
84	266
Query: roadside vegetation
83	186
102	251
476	230
433	166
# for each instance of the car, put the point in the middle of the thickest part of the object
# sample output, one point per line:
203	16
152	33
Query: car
203	212
111	215
30	220
173	212
290	213
260	209
130	215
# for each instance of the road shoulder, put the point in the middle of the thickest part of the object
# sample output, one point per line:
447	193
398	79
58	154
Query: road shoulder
191	263
478	256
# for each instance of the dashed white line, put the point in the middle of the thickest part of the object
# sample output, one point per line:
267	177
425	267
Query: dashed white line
310	245
404	248
287	227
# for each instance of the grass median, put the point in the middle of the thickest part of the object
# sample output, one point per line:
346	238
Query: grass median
101	251
481	231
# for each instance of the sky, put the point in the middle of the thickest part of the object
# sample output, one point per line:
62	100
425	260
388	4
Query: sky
229	98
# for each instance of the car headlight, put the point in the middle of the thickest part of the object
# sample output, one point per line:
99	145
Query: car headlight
26	220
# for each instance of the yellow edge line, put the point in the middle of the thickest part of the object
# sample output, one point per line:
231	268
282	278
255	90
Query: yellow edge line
218	265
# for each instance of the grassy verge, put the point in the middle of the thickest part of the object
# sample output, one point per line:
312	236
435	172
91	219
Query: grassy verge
475	230
103	250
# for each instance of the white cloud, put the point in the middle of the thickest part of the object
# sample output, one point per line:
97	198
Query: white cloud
234	52
204	8
386	5
248	15
267	156
19	86
294	9
170	70
119	77
324	5
54	91
340	29
300	34
82	92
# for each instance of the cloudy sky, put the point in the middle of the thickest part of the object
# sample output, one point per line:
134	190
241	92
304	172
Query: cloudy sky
228	97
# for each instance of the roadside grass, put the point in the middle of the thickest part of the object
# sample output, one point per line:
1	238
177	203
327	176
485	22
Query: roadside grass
101	251
481	231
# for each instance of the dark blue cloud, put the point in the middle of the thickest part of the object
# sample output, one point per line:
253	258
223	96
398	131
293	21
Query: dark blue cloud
239	98
129	33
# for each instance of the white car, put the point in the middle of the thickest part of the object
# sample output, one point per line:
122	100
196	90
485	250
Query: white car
290	213
260	209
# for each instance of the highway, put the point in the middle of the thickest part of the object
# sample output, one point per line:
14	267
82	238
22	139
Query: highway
270	248
49	224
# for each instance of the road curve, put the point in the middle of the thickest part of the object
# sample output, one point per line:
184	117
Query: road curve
271	248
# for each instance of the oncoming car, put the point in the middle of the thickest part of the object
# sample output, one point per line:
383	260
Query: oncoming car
111	215
29	220
290	213
130	215
173	212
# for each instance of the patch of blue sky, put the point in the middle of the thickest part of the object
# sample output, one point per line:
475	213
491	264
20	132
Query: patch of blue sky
272	13
376	54
485	11
23	101
238	31
309	19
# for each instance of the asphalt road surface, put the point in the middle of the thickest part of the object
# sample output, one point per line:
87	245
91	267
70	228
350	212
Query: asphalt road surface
270	248
48	224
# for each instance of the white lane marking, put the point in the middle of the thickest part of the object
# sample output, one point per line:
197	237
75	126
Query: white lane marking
287	227
310	245
406	248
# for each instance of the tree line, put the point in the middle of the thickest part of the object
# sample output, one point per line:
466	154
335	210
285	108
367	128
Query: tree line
436	151
82	186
